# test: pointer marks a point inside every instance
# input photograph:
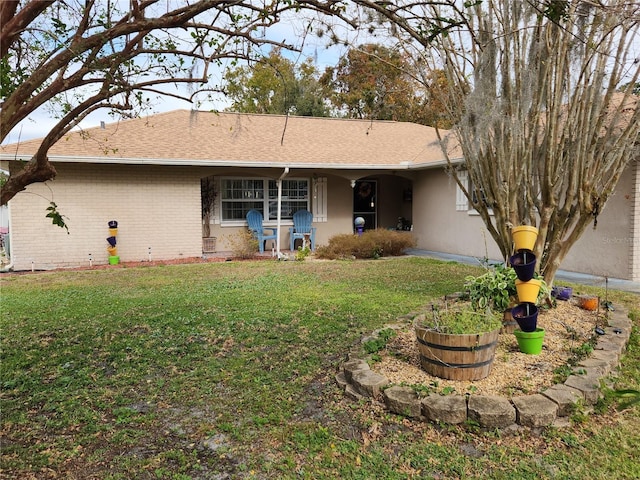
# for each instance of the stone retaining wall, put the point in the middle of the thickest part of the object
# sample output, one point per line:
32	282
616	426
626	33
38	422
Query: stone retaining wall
537	410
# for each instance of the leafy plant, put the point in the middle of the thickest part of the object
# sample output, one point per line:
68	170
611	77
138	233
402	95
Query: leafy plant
422	390
463	319
448	390
56	217
583	351
380	341
207	198
302	253
561	373
494	289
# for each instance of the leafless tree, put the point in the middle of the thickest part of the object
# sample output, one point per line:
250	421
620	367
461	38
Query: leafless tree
549	121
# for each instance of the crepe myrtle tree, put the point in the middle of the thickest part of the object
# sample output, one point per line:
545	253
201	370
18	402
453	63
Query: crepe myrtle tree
76	57
549	120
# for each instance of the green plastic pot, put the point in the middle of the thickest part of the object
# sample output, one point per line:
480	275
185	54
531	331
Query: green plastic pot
114	260
530	342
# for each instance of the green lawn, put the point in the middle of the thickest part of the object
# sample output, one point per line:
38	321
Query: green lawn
226	370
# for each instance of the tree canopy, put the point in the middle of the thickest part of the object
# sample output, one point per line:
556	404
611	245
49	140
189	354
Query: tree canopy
369	81
549	121
276	85
75	58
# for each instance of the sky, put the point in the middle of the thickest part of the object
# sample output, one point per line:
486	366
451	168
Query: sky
41	121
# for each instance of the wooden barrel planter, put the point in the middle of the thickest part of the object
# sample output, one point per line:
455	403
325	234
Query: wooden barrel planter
455	356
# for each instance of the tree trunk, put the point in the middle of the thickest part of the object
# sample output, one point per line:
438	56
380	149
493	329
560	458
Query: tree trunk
33	172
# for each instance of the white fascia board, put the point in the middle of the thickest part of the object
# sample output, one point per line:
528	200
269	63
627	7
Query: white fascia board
233	163
436	164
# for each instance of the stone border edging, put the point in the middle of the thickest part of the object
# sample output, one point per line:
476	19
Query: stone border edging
536	410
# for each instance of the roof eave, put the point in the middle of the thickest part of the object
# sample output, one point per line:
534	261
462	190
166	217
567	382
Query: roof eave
436	164
233	163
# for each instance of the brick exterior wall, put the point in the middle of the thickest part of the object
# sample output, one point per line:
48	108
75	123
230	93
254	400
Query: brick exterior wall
634	231
156	207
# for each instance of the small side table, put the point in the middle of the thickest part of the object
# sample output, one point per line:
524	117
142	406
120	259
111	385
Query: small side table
306	240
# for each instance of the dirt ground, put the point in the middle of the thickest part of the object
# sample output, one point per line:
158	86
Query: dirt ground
567	328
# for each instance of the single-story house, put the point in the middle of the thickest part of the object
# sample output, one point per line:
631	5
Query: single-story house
146	174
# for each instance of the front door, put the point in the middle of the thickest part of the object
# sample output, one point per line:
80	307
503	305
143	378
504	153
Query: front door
365	202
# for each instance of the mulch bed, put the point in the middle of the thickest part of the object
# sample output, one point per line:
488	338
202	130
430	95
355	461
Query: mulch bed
219	257
567	328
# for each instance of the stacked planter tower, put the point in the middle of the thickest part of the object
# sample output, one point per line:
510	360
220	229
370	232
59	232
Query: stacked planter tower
523	261
114	259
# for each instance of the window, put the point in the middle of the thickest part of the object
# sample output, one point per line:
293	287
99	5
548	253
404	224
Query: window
462	203
295	196
239	195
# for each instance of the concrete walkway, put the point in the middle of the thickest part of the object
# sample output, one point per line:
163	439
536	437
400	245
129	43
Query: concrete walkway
561	275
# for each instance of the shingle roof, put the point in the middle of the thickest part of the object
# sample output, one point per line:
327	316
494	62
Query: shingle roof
207	138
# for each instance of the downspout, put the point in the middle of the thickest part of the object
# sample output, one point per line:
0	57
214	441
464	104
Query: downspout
8	267
278	234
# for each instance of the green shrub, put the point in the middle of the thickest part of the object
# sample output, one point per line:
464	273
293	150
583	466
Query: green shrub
380	341
496	288
371	244
461	319
302	253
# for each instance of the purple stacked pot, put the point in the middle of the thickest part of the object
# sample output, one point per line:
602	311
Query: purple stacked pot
524	264
526	314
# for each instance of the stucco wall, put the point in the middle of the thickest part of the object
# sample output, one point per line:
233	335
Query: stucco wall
157	207
439	227
605	251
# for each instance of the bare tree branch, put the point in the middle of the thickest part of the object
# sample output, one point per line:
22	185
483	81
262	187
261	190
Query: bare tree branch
550	122
75	59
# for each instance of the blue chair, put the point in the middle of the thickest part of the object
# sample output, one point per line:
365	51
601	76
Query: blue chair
302	226
254	220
